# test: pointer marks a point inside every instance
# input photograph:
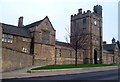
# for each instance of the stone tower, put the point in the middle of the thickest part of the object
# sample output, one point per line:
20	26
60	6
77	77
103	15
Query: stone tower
86	29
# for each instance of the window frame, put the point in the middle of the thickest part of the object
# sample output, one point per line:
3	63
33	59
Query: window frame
84	21
7	38
25	39
24	49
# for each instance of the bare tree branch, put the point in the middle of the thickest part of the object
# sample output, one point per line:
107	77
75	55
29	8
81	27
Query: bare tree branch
79	41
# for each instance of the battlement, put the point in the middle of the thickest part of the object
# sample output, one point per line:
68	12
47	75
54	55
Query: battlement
81	14
97	11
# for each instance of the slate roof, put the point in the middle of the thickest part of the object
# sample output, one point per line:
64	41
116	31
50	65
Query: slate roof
105	51
33	24
14	30
109	47
23	31
37	23
62	44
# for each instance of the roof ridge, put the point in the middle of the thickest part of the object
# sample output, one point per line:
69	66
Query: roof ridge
33	24
109	44
9	24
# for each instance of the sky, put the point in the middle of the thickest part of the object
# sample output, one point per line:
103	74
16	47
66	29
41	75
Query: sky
59	12
119	20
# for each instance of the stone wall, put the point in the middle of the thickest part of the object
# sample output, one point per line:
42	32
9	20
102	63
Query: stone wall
44	54
22	44
110	58
66	55
0	49
12	60
116	57
107	58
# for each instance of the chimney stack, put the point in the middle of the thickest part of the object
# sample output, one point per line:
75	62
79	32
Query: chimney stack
20	22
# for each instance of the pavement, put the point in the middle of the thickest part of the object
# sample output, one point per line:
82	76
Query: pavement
22	73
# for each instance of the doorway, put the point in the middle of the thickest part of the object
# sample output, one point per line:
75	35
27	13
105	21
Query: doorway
95	57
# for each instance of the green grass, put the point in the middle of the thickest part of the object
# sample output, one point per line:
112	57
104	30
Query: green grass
71	66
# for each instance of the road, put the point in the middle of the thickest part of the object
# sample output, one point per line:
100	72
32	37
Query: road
87	77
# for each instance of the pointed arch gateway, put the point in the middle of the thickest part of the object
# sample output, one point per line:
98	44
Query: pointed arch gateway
95	56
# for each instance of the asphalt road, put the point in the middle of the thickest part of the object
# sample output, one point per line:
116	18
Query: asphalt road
101	76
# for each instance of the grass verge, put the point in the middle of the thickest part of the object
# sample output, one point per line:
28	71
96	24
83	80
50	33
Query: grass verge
67	66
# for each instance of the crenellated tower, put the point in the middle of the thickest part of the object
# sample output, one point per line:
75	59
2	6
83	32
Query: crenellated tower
86	28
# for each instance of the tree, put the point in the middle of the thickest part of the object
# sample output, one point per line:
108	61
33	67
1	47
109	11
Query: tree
77	41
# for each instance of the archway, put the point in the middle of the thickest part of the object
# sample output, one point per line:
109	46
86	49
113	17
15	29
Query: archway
95	57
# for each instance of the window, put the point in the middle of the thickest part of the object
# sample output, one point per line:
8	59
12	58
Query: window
83	28
80	55
7	38
24	50
84	21
25	39
60	52
45	36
